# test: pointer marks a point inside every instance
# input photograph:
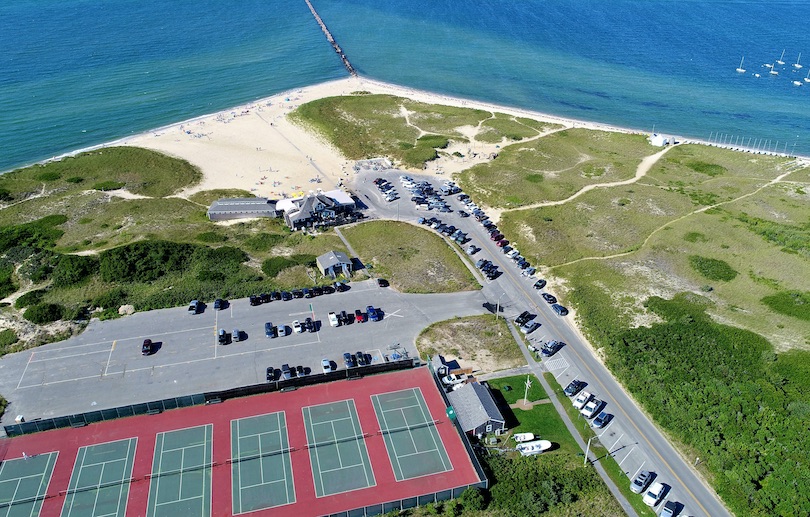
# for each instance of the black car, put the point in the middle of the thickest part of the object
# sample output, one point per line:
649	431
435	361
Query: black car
540	284
309	325
265	298
340	287
574	387
462	213
255	300
361	359
270	331
219	304
382	282
317	290
523	318
307	293
275	296
300	370
349	360
344	318
559	309
271	374
286	296
146	348
549	298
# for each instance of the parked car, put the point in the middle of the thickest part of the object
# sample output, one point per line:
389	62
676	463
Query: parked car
333	320
343	318
471	249
282	330
297	326
559	309
326	364
340	287
640	482
219	304
361	358
309	325
654	494
146	347
549	298
300	370
194	307
358	316
523	317
222	337
317	290
574	387
502	243
286	296
382	282
373	314
269	330
265	298
349	360
496	236
453	378
601	419
237	335
591	408
550	348
255	300
286	371
307	293
670	507
462	213
539	284
275	296
328	289
583	398
529	327
270	374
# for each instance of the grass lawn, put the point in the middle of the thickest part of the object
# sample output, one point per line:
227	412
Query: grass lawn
412	259
554	167
477	341
517	384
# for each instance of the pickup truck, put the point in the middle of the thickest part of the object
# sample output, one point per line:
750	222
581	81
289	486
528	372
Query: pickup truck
453	378
582	399
333	320
194	307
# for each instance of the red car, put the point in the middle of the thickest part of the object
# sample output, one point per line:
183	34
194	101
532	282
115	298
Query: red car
496	237
502	243
358	316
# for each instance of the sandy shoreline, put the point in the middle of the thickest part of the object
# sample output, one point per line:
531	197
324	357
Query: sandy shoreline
253	147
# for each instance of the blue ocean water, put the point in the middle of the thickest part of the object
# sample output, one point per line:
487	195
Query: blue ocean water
75	73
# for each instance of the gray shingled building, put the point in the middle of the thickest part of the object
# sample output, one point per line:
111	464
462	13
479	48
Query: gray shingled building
476	410
241	208
334	263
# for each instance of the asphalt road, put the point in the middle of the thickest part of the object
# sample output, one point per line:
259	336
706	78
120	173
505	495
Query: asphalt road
103	367
631	437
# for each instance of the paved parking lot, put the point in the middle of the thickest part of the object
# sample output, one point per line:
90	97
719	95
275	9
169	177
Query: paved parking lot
103	367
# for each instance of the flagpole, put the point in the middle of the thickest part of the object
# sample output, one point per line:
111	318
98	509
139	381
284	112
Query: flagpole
526	392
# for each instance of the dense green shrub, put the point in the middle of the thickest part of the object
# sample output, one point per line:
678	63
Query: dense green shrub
7	338
790	303
75	179
48	176
44	313
211	237
5	195
6	282
264	241
274	265
473	500
713	269
73	269
30	298
144	261
791	238
113	298
42	233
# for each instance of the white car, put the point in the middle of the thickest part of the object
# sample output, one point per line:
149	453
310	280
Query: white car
282	330
327	365
591	408
297	327
654	494
333	320
582	399
452	379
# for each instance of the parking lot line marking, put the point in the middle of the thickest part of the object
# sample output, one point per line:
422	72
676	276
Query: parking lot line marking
638	469
109	358
614	443
628	455
605	430
25	370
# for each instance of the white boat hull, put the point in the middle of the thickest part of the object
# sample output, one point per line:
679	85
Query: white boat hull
532	448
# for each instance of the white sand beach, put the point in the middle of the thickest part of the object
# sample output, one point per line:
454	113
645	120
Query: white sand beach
255	148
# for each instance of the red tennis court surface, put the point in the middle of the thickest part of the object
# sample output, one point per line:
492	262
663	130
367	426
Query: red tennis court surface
385	487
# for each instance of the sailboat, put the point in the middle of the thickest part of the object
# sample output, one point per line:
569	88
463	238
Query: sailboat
797	83
740	68
796	64
773	71
780	60
807	79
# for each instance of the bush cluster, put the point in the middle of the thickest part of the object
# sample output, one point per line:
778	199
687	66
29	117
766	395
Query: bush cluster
42	233
275	265
43	313
713	269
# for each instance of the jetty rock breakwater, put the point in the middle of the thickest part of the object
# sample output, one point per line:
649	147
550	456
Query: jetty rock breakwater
331	39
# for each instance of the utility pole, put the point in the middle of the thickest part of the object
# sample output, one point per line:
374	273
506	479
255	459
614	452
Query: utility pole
588	450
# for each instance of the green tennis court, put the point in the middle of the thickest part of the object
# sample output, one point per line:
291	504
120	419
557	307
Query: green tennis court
181	473
261	470
337	448
411	438
99	483
23	483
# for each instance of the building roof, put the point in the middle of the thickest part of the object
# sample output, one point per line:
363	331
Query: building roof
242	204
341	197
474	406
331	259
307	206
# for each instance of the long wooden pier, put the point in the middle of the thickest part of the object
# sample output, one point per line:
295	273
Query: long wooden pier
331	39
